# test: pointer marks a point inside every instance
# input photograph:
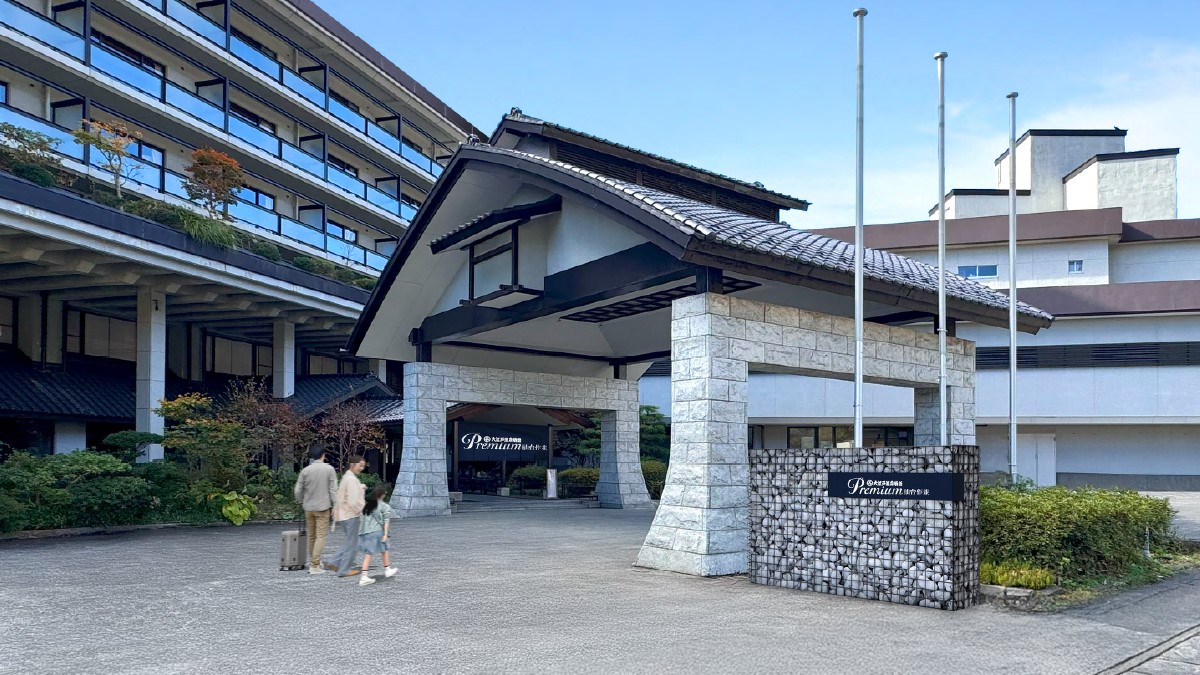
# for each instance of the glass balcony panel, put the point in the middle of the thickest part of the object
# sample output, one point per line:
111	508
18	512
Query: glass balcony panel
254	215
303	161
255	58
436	169
125	71
66	143
41	29
173	185
197	107
407	211
347	182
302	233
301	86
376	261
139	172
253	135
196	21
346	250
383	200
347	115
416	157
384	137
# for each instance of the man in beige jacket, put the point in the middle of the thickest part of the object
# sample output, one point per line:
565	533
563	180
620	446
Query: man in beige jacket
347	507
316	490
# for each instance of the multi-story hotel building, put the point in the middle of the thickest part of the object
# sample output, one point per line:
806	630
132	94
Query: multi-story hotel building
102	313
1105	396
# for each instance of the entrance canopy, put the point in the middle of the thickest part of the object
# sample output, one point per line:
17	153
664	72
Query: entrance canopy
524	262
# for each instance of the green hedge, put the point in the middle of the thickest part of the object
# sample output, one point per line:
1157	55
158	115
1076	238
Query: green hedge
1077	533
528	477
655	473
79	489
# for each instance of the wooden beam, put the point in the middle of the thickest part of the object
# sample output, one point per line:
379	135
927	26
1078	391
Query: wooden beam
468	410
567	417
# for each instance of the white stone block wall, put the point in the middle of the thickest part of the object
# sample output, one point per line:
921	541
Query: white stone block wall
701	526
421	488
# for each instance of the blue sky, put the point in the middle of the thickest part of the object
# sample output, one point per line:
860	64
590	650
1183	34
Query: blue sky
765	90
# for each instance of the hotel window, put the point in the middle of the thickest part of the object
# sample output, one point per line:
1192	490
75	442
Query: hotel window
102	336
3	93
147	153
128	52
977	271
1074	267
345	166
252	118
8	311
257	197
343	100
340	231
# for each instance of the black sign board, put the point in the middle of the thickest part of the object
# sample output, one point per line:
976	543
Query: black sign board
496	442
856	485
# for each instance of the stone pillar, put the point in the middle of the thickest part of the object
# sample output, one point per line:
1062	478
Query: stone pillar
151	364
927	416
69	436
621	485
378	368
283	359
421	488
702	523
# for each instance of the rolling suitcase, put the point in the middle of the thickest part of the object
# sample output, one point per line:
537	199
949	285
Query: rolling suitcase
293	549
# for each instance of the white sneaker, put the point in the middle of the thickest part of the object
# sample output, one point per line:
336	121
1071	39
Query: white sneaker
315	569
389	572
365	580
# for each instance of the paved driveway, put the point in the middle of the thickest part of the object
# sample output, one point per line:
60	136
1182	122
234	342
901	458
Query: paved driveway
530	591
1187	507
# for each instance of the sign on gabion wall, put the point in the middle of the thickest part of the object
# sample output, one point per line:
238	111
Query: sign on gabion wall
807	532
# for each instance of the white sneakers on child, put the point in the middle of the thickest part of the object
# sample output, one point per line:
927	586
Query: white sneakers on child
389	572
364	580
315	569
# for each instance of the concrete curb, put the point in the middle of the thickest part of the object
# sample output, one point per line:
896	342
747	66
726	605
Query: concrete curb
25	535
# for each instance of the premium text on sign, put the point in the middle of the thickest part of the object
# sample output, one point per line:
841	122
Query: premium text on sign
855	485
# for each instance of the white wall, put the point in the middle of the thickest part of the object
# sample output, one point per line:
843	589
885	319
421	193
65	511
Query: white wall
69	436
977	206
1155	261
1143	188
1091	395
1038	264
1036	452
1082	190
1138	450
1053	157
1093	330
584	234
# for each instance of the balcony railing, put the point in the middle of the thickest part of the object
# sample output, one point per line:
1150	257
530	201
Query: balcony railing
168	182
309	91
151	83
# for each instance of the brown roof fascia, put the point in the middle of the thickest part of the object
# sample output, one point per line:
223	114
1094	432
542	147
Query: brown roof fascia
988	229
1157	230
322	18
1146	297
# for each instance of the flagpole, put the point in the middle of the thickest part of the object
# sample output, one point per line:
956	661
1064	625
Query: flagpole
943	408
1012	286
858	248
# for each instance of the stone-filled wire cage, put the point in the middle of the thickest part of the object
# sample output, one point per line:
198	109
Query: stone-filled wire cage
914	552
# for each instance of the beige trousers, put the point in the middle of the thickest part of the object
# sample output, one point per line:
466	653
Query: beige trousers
318	526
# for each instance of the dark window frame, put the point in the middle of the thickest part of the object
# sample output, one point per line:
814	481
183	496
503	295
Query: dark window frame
254	44
253	118
127	52
475	260
333	94
3	92
259	197
341	164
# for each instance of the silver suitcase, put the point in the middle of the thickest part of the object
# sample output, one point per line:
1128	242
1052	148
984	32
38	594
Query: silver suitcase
292	550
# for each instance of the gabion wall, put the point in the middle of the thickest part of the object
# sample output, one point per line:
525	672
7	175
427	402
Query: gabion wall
905	551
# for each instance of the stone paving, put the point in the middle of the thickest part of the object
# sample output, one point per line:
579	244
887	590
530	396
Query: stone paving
530	591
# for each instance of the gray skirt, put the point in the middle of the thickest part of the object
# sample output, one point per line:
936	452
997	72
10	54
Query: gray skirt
372	543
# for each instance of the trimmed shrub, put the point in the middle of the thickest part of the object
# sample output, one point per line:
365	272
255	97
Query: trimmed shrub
1015	574
314	265
78	489
365	282
170	497
34	173
655	473
532	477
127	445
578	481
1076	533
262	247
110	500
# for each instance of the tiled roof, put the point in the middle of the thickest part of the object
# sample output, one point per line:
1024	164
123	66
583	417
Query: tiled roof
521	117
385	410
316	393
736	230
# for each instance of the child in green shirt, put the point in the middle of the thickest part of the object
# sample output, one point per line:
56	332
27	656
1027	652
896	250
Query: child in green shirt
373	534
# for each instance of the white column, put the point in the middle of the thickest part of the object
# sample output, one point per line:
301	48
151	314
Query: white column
151	364
283	359
69	436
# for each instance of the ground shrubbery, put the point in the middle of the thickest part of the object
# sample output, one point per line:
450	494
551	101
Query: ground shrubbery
80	489
1074	533
528	479
1015	574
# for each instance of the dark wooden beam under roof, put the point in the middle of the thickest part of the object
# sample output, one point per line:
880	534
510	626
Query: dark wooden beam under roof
551	204
567	417
465	411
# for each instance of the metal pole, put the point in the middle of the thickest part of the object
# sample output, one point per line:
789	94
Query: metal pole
1012	286
943	408
858	248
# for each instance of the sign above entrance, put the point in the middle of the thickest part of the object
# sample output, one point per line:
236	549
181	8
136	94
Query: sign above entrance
856	485
482	442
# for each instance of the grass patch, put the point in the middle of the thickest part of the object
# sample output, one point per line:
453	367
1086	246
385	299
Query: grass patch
1161	567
